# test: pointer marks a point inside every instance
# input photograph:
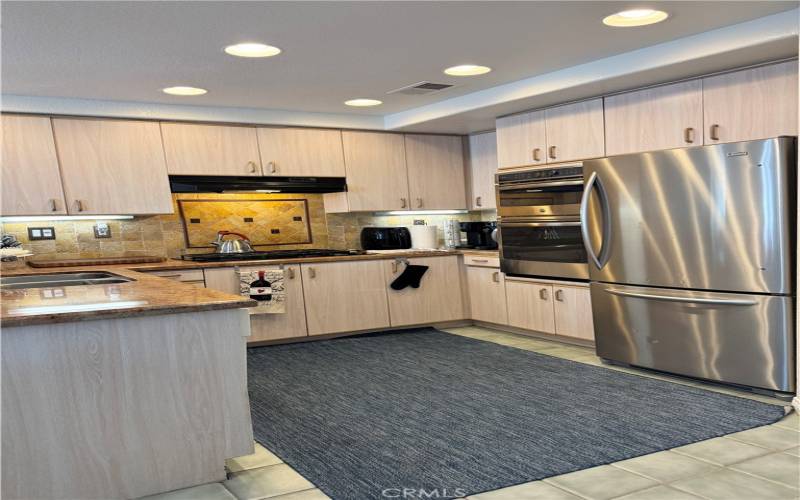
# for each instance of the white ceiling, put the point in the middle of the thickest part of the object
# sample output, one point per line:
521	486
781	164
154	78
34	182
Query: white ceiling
332	51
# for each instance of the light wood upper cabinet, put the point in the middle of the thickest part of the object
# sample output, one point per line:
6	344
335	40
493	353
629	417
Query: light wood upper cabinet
482	155
487	294
575	131
670	116
376	171
521	140
530	305
435	172
193	149
30	176
301	152
345	296
752	104
573	312
438	297
112	166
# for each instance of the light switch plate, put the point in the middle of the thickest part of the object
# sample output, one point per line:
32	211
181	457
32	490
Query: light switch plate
101	230
41	233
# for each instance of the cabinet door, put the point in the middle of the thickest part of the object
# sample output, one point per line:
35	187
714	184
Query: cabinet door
436	172
345	296
573	312
376	171
30	176
521	140
575	131
487	294
752	104
301	152
437	299
112	166
670	116
482	168
193	149
530	305
263	327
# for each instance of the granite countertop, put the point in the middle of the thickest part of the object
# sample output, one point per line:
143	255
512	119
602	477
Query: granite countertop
148	294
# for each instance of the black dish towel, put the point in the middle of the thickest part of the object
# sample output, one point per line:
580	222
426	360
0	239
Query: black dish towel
410	276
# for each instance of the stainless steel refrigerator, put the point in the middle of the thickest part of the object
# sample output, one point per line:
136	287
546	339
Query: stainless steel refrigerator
691	260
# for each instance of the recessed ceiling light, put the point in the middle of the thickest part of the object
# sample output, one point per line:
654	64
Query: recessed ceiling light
185	91
635	17
363	102
467	70
252	50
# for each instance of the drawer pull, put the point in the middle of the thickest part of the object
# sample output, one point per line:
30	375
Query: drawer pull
543	293
252	166
688	135
290	272
537	154
560	295
552	152
496	276
272	167
79	203
419	202
485	261
53	205
403	203
312	273
714	132
478	202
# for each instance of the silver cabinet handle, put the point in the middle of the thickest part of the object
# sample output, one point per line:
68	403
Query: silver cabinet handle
53	205
605	248
543	293
480	260
403	203
536	154
290	272
312	273
496	276
80	206
560	295
252	166
691	300
552	153
478	202
714	132
394	266
169	276
688	135
419	202
273	167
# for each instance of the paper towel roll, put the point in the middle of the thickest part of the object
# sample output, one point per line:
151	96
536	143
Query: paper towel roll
423	237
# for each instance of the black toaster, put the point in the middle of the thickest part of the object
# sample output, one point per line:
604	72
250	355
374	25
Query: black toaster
385	238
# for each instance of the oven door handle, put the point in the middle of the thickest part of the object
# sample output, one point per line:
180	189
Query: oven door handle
605	246
526	185
538	224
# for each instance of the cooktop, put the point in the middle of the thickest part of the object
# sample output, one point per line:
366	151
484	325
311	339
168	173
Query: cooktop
274	254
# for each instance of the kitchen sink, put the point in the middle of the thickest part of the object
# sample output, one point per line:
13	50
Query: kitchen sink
61	279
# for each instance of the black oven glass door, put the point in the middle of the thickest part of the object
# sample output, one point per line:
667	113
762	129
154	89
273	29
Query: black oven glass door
561	198
542	241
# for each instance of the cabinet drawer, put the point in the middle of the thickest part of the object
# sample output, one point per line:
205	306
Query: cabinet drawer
480	261
194	276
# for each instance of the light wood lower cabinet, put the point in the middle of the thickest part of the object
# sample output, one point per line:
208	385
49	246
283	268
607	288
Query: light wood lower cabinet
487	294
263	327
573	312
345	296
437	299
530	305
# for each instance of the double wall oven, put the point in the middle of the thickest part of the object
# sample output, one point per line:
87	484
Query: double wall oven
538	213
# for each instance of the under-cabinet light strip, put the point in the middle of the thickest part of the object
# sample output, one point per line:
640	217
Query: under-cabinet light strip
36	218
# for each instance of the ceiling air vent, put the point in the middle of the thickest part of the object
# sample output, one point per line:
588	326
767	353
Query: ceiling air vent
420	88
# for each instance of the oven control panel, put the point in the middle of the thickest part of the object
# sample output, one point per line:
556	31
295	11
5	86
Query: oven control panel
541	174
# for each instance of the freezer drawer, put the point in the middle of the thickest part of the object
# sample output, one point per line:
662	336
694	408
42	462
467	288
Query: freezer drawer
733	338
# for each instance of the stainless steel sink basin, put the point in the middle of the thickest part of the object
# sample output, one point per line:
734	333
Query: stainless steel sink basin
62	279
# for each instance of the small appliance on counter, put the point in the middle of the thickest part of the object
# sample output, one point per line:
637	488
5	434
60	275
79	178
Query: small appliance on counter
423	237
385	238
478	235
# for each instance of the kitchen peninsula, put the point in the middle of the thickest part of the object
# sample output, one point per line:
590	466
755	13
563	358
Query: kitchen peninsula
121	389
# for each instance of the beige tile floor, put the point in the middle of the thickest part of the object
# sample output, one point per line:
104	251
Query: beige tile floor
758	464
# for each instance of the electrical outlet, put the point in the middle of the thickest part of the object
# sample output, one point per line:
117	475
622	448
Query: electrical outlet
101	230
41	233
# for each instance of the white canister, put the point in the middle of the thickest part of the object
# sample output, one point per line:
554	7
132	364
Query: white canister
423	237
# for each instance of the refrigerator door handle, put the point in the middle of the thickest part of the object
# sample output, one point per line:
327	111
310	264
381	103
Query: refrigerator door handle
605	248
672	298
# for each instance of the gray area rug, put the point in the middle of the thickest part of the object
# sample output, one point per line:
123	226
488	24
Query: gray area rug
364	417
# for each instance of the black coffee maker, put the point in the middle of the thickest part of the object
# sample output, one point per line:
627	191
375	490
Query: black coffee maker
479	235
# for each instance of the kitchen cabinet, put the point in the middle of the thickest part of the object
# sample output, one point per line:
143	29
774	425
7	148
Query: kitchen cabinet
193	149
665	117
265	327
345	296
575	131
112	166
751	104
482	155
521	140
438	297
530	305
308	152
435	172
487	294
573	312
377	178
31	181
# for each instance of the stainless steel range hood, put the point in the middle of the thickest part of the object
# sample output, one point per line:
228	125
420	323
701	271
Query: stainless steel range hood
228	184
